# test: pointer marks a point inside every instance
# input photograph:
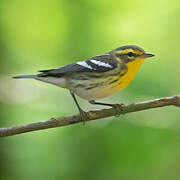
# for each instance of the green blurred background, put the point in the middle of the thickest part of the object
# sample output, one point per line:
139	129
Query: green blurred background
43	34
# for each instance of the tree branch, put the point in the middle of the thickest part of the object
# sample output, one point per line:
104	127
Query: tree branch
91	115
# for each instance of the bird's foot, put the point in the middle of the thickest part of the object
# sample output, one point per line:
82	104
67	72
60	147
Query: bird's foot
84	116
119	108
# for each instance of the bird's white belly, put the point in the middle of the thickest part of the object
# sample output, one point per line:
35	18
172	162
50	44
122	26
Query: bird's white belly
95	93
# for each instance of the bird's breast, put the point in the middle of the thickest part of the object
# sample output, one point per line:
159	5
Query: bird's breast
131	72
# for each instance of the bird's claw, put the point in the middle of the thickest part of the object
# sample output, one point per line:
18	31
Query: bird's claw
84	116
119	108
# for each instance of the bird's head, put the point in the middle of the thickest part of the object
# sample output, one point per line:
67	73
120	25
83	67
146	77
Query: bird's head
130	53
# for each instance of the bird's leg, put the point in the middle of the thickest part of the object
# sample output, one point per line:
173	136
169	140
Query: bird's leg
82	113
118	107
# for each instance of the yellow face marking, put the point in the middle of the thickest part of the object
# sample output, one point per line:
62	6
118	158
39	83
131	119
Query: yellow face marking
119	60
125	51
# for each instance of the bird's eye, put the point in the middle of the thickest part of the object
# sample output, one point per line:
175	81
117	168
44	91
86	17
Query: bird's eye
130	54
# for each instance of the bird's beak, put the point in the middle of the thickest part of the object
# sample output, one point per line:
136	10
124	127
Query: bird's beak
147	55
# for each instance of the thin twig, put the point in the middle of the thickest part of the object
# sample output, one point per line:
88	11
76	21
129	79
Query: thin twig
91	115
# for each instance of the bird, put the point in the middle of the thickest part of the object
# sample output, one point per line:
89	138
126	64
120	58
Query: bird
97	77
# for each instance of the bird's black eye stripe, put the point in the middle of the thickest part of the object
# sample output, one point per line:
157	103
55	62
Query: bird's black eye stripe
131	54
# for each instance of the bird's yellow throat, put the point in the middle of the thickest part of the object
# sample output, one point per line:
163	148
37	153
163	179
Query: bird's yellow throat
133	67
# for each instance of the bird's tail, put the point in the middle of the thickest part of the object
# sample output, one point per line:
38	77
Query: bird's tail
25	76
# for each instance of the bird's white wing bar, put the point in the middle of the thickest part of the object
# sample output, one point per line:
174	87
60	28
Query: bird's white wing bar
84	64
100	63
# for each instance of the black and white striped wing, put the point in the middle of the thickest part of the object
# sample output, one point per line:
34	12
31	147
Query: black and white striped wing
98	64
101	63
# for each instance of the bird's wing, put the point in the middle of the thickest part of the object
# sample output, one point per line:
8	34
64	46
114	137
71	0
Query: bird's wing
99	64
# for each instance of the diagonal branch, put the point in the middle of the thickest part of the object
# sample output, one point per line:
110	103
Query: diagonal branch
91	115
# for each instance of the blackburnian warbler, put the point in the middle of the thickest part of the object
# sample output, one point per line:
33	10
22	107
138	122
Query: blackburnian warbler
97	77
